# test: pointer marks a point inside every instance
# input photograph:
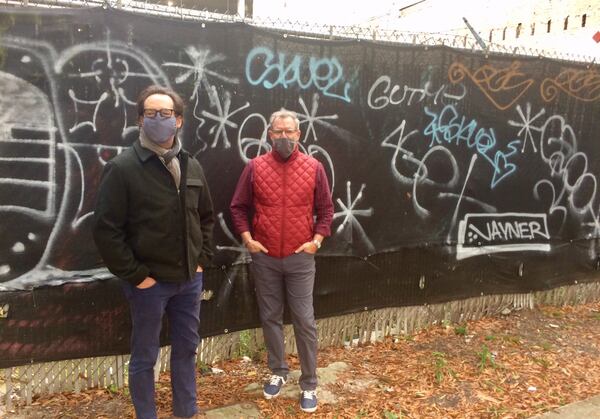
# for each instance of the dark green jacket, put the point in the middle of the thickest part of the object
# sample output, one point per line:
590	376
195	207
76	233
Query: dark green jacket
143	227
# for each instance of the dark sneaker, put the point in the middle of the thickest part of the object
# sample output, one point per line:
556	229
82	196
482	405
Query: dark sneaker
273	386
308	400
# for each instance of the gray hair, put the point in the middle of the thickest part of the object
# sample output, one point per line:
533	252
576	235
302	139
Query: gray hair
284	113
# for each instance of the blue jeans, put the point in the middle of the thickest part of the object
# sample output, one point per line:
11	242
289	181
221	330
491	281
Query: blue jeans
181	302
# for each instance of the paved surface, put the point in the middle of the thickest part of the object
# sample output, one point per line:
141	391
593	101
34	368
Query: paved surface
587	409
241	410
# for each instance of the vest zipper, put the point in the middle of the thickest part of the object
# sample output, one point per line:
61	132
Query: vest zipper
283	208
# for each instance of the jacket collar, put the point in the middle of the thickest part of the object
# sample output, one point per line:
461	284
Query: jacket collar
143	153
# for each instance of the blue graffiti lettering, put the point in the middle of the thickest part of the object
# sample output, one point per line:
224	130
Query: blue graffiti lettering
326	74
448	126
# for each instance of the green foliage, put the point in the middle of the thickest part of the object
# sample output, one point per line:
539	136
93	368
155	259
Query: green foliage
486	358
204	368
441	368
461	330
247	346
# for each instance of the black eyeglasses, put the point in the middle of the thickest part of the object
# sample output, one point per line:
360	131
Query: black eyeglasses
165	113
287	132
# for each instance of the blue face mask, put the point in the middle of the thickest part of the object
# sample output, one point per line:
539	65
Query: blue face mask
159	130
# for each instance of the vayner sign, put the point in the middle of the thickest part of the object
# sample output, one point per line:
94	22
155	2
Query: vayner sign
492	233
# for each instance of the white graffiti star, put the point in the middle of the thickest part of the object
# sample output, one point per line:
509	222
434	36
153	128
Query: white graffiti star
350	221
222	117
527	126
198	70
311	117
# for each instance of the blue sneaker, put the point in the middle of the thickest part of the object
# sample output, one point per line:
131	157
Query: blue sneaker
308	400
273	387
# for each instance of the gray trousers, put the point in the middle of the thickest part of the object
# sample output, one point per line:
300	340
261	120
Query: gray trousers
290	278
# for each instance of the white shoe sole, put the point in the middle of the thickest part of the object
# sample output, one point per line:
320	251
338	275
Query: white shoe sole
309	410
270	396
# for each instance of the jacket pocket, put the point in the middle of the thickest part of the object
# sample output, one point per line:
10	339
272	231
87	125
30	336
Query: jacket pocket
192	192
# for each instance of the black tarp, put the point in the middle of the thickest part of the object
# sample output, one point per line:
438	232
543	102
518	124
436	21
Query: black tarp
454	173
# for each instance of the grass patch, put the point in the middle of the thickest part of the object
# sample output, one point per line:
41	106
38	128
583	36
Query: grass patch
440	367
460	330
486	358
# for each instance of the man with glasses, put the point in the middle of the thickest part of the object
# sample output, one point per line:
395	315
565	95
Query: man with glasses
153	227
284	189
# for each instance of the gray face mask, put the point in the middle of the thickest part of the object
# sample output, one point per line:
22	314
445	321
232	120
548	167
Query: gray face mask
159	129
284	147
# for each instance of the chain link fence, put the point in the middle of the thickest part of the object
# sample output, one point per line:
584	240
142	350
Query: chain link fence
310	29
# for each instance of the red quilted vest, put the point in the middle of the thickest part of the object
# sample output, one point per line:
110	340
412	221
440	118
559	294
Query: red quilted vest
283	201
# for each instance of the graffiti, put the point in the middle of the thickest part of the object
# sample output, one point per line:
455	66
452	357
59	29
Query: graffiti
46	139
401	152
324	74
503	87
199	70
222	118
417	172
582	85
415	95
350	222
527	127
31	145
310	118
251	147
116	67
481	234
448	126
237	247
200	74
447	166
572	187
460	198
451	154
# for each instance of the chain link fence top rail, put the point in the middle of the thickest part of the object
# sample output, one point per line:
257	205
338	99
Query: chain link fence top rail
311	29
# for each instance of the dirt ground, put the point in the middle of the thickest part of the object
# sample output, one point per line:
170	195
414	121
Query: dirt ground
513	366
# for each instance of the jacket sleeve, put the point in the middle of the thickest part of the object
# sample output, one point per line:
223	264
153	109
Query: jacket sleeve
207	223
109	229
323	204
242	201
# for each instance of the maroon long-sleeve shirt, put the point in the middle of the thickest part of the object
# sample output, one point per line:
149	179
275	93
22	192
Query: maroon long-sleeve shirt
242	202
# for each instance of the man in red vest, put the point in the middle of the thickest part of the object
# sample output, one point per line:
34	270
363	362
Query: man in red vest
284	189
